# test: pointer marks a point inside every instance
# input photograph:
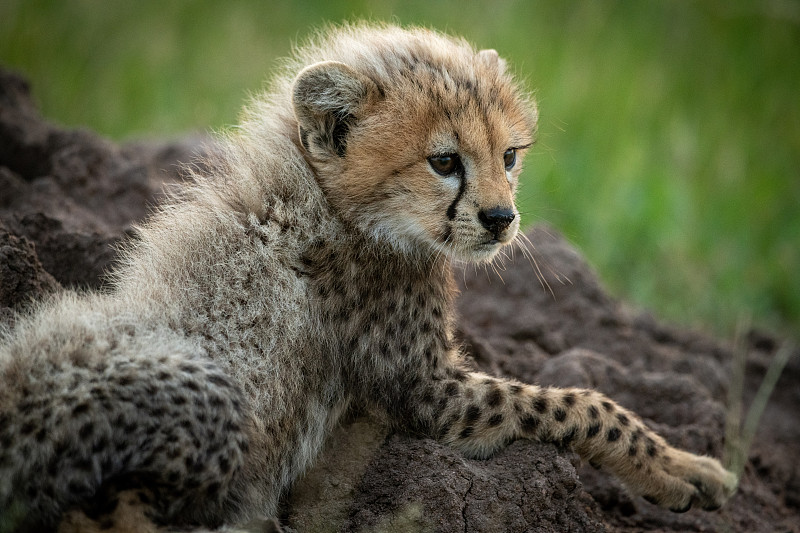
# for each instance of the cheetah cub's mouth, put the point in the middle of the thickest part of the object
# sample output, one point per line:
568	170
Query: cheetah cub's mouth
422	153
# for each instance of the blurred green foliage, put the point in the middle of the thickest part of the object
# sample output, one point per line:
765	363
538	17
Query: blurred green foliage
669	140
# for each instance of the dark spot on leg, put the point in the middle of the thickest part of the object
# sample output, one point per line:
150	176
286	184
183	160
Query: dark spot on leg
188	368
569	399
81	408
157	411
61	448
213	489
567	439
592	431
458	374
540	404
173	453
220	380
198	467
445	429
244	445
84	464
25	408
86	430
608	406
651	449
529	424
473	414
77	488
443	401
613	434
632	450
495	396
495	420
451	388
427	396
560	415
466	432
623	419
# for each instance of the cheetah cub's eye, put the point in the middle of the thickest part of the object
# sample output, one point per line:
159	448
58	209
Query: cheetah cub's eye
445	164
510	158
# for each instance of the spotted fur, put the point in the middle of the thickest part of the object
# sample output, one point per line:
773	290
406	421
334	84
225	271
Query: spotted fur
311	271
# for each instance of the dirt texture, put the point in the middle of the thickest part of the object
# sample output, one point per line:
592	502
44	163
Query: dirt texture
67	197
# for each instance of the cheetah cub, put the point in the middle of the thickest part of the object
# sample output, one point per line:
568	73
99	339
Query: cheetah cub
308	272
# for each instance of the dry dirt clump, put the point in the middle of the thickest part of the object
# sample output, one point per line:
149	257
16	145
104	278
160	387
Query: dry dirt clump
67	197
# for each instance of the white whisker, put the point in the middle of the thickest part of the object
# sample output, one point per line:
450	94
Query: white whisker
525	241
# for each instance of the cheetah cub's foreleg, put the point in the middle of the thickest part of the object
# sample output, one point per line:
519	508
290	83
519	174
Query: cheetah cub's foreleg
483	413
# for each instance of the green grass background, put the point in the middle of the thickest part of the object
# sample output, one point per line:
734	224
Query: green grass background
669	141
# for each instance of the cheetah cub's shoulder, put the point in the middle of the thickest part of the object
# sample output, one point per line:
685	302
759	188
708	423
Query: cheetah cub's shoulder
308	272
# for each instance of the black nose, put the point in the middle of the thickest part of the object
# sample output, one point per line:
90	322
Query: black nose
496	219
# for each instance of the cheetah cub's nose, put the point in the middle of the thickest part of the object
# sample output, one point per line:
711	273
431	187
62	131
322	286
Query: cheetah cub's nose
496	219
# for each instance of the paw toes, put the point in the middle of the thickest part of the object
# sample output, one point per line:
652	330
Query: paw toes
685	481
713	492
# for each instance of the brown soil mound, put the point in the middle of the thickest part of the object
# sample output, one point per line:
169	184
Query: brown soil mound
66	197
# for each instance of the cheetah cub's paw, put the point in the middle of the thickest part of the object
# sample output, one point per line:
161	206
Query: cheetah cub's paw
679	480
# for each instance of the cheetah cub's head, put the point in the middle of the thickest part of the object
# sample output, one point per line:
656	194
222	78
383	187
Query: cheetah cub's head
417	140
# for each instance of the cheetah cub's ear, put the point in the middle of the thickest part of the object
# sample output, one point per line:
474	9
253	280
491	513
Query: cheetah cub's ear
328	98
491	58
